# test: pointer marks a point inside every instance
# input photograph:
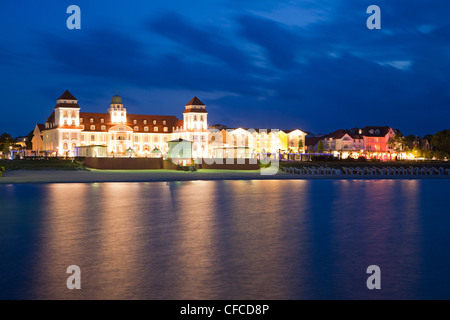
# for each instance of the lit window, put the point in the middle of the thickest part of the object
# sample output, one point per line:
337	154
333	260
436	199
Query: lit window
81	120
155	129
82	126
136	138
154	121
103	128
135	121
92	137
102	120
91	120
164	121
92	127
136	128
145	121
166	129
145	128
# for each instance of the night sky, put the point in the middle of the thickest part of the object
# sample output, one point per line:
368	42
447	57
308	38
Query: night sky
312	65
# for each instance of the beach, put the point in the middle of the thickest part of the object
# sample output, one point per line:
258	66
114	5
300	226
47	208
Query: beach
98	176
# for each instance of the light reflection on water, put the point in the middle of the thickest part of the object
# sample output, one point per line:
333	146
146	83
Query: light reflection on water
294	239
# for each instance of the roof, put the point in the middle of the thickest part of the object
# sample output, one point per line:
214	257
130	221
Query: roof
41	126
67	96
195	111
140	122
373	131
195	102
312	141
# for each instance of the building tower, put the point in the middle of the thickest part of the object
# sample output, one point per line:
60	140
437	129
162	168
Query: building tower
196	125
195	116
67	111
117	112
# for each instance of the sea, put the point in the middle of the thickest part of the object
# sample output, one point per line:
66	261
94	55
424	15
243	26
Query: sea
227	240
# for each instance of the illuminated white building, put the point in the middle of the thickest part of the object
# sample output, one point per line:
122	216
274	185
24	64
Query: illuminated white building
125	134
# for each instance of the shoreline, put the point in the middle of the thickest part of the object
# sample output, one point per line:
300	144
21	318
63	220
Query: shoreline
106	176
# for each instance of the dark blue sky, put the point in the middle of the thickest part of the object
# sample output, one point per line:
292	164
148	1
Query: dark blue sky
307	64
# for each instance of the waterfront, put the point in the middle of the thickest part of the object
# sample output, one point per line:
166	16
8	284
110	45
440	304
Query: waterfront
267	239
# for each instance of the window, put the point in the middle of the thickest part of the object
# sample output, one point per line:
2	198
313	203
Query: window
145	121
103	138
82	126
102	120
155	129
65	122
103	128
91	120
82	137
65	135
65	146
92	127
166	129
121	138
136	139
92	137
165	139
73	122
164	121
145	138
136	128
155	139
135	121
145	128
154	121
74	136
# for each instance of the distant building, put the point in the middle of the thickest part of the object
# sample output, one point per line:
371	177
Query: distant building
369	141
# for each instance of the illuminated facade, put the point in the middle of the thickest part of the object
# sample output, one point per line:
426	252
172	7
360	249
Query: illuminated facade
124	134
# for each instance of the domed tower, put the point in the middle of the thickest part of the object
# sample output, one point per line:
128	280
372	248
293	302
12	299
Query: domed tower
117	112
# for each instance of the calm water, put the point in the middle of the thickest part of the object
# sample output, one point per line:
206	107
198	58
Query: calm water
226	239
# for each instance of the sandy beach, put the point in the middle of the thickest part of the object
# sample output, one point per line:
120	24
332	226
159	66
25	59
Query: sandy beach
92	176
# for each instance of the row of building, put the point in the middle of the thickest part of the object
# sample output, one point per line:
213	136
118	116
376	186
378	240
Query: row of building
70	132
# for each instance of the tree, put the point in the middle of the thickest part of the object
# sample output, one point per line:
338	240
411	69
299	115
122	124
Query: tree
320	147
300	145
441	141
30	140
397	143
5	142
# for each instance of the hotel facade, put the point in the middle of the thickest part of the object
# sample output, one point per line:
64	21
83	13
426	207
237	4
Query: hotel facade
68	130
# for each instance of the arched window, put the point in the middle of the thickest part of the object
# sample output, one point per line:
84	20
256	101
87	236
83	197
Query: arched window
103	128
166	129
155	129
136	128
65	146
145	128
91	120
92	127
